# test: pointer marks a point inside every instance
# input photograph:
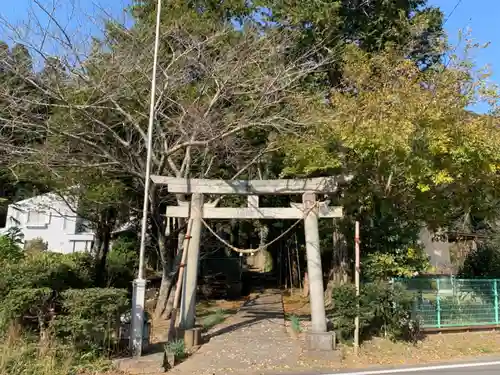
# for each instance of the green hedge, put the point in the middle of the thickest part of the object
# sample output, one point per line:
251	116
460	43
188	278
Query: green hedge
384	309
91	317
51	293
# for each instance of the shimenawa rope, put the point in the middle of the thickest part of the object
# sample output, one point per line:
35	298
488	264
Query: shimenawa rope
262	247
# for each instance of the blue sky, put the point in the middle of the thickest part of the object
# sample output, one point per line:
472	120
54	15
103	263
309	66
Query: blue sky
77	17
482	20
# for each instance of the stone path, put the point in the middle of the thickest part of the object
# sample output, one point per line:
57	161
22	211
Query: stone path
254	341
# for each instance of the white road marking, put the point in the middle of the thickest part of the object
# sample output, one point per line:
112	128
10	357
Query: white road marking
421	369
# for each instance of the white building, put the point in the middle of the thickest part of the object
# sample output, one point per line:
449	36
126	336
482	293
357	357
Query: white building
52	219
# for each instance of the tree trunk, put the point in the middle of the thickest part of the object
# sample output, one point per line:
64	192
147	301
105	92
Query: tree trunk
338	273
306	285
165	290
101	267
104	229
169	306
170	268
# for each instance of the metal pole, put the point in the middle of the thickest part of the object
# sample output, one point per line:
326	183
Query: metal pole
356	275
438	304
139	290
495	295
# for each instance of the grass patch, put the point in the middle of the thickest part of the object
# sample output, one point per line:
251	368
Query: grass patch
216	317
23	355
452	346
295	323
177	348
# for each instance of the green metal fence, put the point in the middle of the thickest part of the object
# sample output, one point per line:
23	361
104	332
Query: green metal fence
442	302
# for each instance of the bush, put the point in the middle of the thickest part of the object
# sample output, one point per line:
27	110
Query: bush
36	245
91	317
21	356
122	263
177	348
384	309
405	262
10	251
27	306
57	272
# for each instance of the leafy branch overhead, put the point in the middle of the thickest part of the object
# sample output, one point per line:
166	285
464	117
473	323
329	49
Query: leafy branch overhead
405	134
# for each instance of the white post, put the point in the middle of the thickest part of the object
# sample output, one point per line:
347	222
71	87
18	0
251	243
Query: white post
139	286
356	280
188	307
314	269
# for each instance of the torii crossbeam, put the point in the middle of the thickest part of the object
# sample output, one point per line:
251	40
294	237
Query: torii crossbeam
310	210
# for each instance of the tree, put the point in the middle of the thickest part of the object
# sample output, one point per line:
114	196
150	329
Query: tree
221	93
418	156
411	25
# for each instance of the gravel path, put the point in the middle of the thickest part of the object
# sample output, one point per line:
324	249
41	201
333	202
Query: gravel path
253	341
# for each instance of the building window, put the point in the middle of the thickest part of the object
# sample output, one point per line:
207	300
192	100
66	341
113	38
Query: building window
36	218
82	225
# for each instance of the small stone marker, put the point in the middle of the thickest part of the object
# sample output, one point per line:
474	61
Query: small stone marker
320	341
192	337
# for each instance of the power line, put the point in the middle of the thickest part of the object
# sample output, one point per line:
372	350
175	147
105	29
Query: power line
452	11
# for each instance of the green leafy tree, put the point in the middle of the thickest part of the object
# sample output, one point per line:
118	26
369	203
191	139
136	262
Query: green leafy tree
10	249
418	157
221	93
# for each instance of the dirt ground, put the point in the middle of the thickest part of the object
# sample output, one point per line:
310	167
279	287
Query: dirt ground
159	327
379	351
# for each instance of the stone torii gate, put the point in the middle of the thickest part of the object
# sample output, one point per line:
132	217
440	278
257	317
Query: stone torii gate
310	210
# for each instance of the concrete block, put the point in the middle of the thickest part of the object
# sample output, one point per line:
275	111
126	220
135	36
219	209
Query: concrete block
192	337
320	341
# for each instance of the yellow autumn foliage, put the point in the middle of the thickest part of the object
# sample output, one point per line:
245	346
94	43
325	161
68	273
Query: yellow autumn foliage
401	129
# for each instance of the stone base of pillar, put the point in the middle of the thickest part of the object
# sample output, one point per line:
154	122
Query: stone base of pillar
138	300
192	337
320	341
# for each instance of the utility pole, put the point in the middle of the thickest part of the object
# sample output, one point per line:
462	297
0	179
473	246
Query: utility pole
139	284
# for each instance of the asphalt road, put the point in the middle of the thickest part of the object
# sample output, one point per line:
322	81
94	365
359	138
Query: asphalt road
491	367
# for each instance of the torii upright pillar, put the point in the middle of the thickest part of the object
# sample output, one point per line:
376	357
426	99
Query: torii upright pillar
314	268
310	211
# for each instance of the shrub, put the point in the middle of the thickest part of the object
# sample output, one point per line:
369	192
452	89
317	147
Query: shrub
405	262
345	308
28	306
391	308
295	323
10	251
21	356
48	270
383	309
91	317
177	348
36	245
122	263
213	319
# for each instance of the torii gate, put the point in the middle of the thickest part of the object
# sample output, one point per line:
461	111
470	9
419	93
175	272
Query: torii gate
310	210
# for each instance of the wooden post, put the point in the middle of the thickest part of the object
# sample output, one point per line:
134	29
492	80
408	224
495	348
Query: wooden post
193	256
290	271
314	270
298	262
180	277
356	275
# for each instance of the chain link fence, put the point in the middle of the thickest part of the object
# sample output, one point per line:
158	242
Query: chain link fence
442	302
